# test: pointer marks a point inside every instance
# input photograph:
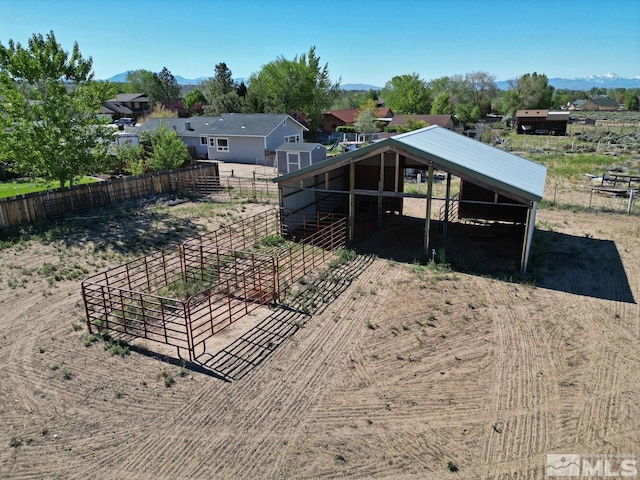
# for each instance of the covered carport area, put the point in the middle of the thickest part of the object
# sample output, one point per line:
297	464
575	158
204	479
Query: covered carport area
368	186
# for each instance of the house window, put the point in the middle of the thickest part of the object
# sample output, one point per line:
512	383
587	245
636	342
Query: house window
212	142
292	139
223	144
203	140
293	161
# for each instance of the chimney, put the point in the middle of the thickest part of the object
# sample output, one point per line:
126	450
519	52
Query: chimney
187	126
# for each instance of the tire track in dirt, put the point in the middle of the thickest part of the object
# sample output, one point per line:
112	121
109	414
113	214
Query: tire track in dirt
518	420
598	349
404	363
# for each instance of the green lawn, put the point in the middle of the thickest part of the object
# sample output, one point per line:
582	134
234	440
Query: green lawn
21	187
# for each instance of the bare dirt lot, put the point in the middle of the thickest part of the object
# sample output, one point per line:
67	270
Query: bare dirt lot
409	372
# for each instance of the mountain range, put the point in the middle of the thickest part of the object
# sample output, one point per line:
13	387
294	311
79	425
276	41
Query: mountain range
607	80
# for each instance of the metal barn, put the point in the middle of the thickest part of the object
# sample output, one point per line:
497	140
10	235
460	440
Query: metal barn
367	185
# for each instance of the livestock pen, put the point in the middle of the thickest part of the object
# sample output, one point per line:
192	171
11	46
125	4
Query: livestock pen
183	295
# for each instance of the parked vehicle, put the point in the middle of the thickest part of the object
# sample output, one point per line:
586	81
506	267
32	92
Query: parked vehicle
125	121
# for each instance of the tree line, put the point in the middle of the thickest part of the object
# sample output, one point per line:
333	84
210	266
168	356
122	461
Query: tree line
303	88
49	99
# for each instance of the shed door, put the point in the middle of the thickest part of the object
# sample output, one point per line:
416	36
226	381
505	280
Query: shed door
293	161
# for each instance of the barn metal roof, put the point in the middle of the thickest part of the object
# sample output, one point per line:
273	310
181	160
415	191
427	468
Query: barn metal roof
455	153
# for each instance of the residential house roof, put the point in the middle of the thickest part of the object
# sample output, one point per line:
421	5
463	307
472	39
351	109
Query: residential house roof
115	107
605	101
501	171
129	97
233	124
545	114
532	113
349	115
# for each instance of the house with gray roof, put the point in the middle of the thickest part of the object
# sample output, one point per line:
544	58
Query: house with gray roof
233	137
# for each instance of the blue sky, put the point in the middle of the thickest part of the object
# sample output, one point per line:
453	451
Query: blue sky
362	41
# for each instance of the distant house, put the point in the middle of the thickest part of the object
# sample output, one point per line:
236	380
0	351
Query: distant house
541	122
444	121
125	105
599	103
294	156
340	118
576	104
233	137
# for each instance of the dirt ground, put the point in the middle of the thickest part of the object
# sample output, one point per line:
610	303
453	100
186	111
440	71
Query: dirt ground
406	372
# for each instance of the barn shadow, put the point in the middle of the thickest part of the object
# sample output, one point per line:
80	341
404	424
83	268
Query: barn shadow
580	265
488	248
558	261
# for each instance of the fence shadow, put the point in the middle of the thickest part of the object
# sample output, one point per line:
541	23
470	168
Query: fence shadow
247	352
132	227
581	266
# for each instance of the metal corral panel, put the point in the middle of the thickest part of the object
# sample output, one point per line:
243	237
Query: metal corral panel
471	160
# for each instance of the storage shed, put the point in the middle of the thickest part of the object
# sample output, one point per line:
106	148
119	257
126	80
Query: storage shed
294	156
367	185
541	122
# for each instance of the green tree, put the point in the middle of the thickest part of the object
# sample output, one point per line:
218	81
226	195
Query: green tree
229	102
632	101
347	99
528	91
467	114
481	88
407	94
193	98
222	92
411	125
159	87
130	158
220	84
169	151
143	81
167	88
442	104
366	119
48	105
299	84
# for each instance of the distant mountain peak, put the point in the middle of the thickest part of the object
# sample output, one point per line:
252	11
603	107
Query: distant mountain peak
359	86
605	80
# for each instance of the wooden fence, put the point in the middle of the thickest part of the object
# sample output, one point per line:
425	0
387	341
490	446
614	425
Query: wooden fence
53	203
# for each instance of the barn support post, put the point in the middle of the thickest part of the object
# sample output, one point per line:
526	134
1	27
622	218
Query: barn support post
427	220
530	226
352	200
396	183
380	190
316	187
445	225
